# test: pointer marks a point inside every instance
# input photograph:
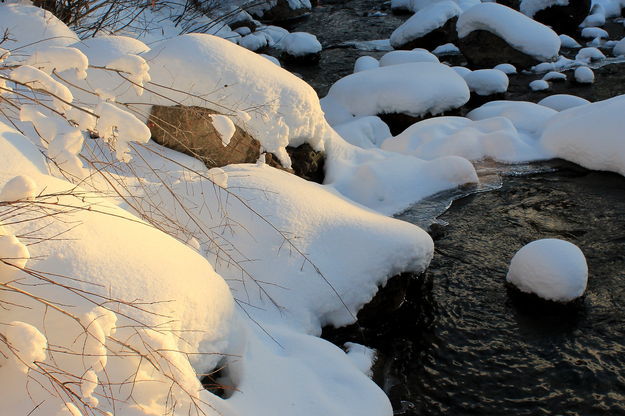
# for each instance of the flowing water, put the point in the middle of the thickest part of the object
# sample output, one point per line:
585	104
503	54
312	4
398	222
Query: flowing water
462	342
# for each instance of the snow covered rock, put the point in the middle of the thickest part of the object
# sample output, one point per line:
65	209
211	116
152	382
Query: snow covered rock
20	187
491	34
430	27
589	54
539	85
413	89
526	117
590	135
554	76
552	269
569	42
561	102
487	81
301	48
366	132
365	62
584	75
619	48
506	69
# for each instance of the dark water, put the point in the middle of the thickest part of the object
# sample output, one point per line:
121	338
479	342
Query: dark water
463	343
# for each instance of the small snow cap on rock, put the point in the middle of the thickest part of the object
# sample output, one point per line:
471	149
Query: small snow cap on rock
507	69
487	81
539	85
584	75
551	269
20	187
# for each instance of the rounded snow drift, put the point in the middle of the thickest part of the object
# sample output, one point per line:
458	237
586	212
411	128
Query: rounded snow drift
551	269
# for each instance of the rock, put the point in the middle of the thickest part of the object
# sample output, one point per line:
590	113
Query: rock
479	46
282	11
562	19
190	130
300	48
440	36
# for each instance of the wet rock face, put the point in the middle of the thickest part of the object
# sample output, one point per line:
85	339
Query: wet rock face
484	49
189	130
282	12
444	34
564	19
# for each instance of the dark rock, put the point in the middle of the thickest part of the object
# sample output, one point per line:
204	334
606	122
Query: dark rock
564	19
444	34
301	60
484	49
479	100
189	130
281	13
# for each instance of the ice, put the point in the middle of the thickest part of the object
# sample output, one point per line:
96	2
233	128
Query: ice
550	268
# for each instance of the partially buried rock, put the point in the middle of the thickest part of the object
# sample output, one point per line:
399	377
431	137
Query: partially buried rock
491	34
280	11
551	269
300	48
428	28
561	16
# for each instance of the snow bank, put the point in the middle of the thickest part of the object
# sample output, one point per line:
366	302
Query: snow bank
414	89
494	138
520	31
424	21
589	135
550	268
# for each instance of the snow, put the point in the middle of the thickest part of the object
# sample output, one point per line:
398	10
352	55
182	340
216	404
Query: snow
516	29
584	75
59	59
595	18
554	76
531	7
589	135
366	132
253	42
550	268
224	126
507	69
13	255
119	128
526	117
414	89
424	21
416	5
493	138
569	42
43	29
362	356
133	67
487	81
39	80
594	32
405	57
619	48
300	44
560	102
588	55
539	85
365	62
20	187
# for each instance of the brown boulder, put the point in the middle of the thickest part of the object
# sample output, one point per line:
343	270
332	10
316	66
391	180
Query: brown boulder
484	49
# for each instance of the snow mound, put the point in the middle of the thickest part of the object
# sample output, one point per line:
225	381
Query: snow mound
561	102
550	268
619	48
424	21
446	49
365	62
507	69
414	89
518	30
300	44
366	132
44	29
594	33
584	75
569	42
20	187
405	57
554	76
487	81
494	138
589	135
224	126
588	55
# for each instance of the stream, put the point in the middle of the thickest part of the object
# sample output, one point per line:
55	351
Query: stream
460	341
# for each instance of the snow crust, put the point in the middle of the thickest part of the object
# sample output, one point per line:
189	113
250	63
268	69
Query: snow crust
424	21
550	268
518	30
414	89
